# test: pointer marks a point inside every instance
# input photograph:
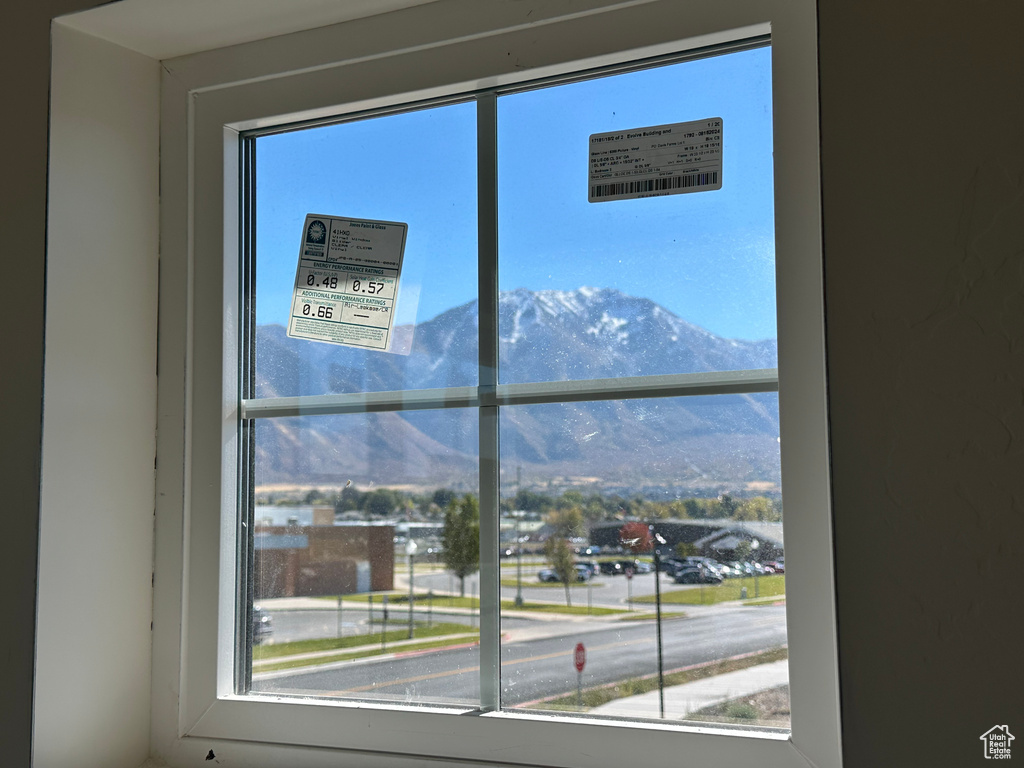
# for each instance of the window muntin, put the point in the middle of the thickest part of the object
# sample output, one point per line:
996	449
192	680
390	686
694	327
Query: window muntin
689	447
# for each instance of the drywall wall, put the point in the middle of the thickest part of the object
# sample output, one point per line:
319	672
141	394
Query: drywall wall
24	78
99	420
921	152
923	191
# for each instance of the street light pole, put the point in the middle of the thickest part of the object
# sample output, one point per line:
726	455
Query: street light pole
519	561
519	542
410	549
754	546
657	539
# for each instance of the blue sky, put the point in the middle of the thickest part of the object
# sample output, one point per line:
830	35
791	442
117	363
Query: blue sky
707	256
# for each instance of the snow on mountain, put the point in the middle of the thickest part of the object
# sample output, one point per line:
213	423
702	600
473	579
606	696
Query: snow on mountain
544	336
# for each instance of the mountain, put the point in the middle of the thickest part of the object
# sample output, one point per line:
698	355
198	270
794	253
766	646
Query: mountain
707	442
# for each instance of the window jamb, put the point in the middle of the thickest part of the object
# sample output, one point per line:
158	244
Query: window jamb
205	229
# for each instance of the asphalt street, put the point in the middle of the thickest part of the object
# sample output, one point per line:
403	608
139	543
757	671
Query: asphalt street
537	663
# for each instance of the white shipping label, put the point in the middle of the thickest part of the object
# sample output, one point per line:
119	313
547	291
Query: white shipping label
655	161
346	283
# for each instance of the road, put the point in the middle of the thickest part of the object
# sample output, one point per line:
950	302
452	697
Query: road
607	591
291	625
533	669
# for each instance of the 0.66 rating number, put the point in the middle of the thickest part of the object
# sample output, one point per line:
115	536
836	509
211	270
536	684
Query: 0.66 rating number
318	310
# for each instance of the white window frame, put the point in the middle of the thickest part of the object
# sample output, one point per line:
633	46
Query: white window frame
207	101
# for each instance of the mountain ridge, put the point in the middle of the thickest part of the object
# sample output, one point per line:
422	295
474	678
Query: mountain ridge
543	336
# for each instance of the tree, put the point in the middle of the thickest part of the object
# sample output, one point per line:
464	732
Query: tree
382	502
567	522
460	539
758	508
686	549
559	556
729	505
636	537
742	551
348	499
443	497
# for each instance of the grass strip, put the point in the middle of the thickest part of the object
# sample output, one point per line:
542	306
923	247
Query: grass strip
653	616
572	610
767	586
536	584
365	653
594	697
420	629
472	603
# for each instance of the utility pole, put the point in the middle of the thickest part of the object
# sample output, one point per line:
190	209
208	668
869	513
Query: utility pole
519	544
656	540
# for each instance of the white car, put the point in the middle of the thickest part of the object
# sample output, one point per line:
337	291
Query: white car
583	573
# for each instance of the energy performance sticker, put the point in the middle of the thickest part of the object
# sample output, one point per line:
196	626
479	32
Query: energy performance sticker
655	161
347	281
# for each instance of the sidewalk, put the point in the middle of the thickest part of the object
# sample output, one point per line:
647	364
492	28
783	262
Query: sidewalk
682	700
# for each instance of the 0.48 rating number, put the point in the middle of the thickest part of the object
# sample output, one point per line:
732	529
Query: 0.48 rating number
327	281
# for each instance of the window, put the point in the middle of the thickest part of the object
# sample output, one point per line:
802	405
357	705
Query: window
482	399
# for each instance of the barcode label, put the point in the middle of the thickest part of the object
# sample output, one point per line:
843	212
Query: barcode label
656	160
656	185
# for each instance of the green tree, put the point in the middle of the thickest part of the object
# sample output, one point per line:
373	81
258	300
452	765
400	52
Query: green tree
570	499
532	501
348	499
382	502
686	549
567	522
678	510
443	497
742	551
758	508
728	505
460	539
560	558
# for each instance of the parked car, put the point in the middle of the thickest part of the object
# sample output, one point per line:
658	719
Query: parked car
583	573
610	567
262	625
638	566
692	575
670	565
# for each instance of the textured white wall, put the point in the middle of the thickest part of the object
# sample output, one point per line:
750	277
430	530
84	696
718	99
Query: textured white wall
99	420
923	191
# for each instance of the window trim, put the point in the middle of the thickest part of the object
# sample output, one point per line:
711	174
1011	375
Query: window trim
208	101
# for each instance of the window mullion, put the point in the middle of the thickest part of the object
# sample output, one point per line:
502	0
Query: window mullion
245	584
487	276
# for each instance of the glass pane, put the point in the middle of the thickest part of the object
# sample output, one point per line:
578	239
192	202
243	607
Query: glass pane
596	497
678	283
354	594
418	168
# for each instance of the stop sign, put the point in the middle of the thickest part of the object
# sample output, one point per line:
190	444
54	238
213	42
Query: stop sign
580	657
